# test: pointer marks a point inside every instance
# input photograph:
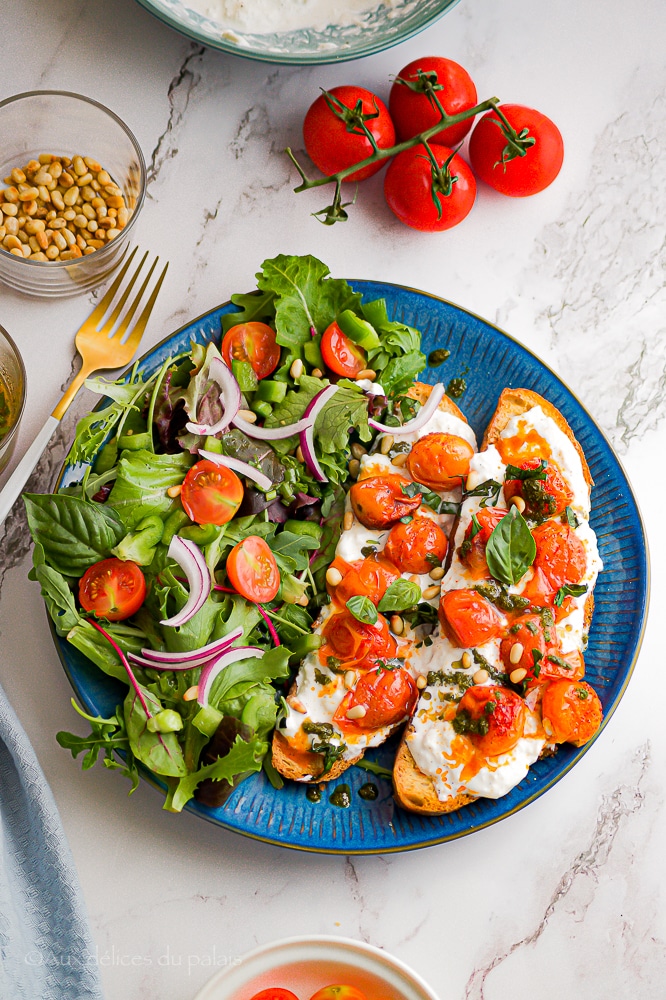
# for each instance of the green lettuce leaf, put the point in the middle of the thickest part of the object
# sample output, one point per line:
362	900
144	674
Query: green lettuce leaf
252	307
243	758
140	489
56	592
161	752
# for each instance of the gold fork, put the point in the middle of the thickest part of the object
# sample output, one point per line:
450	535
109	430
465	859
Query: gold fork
101	348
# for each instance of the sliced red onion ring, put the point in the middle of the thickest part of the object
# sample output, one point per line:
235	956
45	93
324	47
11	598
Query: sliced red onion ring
313	410
191	560
193	658
421	418
230	399
215	667
262	481
270	433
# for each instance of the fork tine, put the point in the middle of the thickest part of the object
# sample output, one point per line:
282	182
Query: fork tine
115	315
124	326
100	310
140	325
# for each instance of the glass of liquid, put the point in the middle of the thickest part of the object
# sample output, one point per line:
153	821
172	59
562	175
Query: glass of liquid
12	395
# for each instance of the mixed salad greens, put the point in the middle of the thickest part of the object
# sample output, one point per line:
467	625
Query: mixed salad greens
151	566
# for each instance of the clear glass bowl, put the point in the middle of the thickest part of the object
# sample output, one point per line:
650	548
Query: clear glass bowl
57	122
372	31
12	395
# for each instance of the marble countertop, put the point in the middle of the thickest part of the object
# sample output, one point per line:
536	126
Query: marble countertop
565	898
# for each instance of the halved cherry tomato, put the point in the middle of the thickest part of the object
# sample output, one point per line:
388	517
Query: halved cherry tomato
560	557
528	632
504	711
543	497
341	354
409	545
252	570
379	501
338	993
253	342
571	712
275	993
372	577
469	619
439	461
472	550
355	643
388	697
114	589
211	493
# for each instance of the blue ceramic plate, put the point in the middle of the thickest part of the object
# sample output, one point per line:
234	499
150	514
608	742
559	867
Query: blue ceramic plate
494	361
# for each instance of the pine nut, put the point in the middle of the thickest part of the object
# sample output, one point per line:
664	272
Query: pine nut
38	255
16	252
517	651
399	460
397	625
421	682
248	416
79	166
481	676
52	253
333	576
174	491
350	679
357	712
466	660
296	704
430	592
71	195
316	372
368	373
192	693
92	164
42	240
518	503
547	727
358	451
299	454
303	600
12	243
27	192
354	468
103	177
9	208
348	520
296	369
16	177
436	573
12	226
516	676
386	443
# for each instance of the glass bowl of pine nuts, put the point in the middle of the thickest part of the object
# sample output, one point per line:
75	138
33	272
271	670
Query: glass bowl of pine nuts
72	183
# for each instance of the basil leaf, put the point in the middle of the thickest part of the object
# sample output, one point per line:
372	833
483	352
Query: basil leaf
569	590
402	594
73	533
571	518
430	499
511	549
513	472
362	609
489	490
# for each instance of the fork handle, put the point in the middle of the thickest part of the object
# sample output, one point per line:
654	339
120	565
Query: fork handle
19	477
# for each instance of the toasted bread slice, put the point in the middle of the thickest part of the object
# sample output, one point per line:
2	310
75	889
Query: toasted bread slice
512	403
297	764
415	791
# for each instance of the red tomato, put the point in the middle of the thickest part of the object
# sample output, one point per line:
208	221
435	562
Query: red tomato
211	493
412	111
469	619
472	551
408	545
334	145
354	643
388	697
114	589
543	497
504	711
439	461
556	664
371	578
338	993
253	342
252	570
408	189
275	993
560	556
341	354
528	631
571	712
379	502
522	175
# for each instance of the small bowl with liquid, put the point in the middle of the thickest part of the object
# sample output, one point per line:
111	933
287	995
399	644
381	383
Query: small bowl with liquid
12	395
306	965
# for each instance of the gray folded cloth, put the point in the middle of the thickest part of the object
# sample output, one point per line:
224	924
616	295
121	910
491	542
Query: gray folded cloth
46	952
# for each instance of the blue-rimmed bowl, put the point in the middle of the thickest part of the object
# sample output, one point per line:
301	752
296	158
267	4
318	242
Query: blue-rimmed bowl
372	31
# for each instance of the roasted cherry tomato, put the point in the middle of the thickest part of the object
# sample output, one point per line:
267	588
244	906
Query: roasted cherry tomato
371	578
560	556
338	993
252	570
472	550
275	993
489	150
341	354
412	111
388	697
409	545
543	497
408	189
114	589
379	501
527	632
557	664
253	342
571	712
523	446
439	461
497	710
211	493
356	644
469	619
334	145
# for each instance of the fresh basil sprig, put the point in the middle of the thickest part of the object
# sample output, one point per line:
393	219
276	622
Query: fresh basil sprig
511	549
362	609
430	499
402	594
514	472
570	590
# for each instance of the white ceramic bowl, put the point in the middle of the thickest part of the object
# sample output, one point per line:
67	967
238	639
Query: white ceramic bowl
306	964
